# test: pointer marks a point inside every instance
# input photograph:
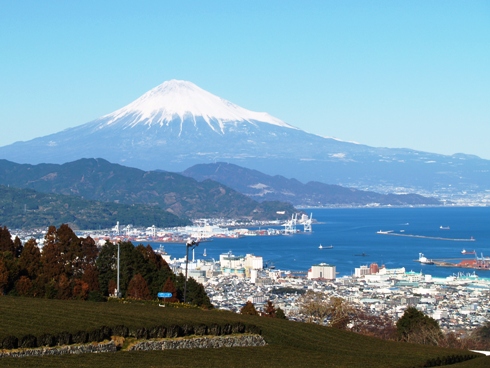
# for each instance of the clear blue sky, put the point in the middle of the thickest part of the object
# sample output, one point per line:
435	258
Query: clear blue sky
412	74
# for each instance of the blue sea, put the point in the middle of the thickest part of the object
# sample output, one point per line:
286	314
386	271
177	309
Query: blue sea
353	235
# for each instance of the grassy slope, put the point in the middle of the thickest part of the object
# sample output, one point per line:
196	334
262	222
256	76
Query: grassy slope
291	344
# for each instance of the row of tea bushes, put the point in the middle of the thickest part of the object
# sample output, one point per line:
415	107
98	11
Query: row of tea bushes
105	333
450	359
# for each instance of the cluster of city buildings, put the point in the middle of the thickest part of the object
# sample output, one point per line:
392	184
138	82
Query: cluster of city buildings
460	303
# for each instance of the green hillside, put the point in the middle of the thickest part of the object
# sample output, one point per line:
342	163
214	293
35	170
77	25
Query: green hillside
100	180
26	208
290	344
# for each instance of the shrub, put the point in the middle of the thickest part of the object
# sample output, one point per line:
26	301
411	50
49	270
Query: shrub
120	330
215	330
96	296
187	330
226	329
201	330
28	341
238	328
161	331
174	331
141	333
106	332
46	340
10	342
80	337
96	335
157	332
252	329
64	338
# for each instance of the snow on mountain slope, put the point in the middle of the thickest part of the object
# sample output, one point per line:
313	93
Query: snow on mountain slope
184	100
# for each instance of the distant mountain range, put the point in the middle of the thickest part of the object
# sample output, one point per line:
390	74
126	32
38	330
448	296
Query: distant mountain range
177	125
100	180
262	187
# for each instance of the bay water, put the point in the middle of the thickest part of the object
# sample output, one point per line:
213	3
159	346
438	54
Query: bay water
440	233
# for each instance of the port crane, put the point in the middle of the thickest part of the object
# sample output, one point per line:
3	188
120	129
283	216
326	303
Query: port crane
290	225
307	223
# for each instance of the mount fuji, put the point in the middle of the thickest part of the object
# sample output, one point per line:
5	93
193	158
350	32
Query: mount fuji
177	125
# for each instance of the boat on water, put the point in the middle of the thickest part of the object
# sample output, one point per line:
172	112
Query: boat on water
326	247
464	251
444	227
424	260
204	253
161	250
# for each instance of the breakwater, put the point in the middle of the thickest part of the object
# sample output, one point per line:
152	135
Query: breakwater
425	236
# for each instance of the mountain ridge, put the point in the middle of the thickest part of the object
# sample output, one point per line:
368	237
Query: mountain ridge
260	186
98	179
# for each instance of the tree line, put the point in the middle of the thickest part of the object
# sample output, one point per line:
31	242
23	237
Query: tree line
72	267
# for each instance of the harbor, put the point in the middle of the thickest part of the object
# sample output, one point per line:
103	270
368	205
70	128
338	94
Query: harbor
477	263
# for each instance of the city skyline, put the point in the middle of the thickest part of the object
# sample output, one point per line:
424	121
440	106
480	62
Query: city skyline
385	74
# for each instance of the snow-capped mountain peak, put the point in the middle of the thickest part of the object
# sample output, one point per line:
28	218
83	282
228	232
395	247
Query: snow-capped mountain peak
176	99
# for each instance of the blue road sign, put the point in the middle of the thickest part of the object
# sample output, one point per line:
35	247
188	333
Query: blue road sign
164	295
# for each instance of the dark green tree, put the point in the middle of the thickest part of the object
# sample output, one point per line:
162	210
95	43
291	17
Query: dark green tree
6	242
4	277
9	271
106	266
30	260
414	326
196	294
280	314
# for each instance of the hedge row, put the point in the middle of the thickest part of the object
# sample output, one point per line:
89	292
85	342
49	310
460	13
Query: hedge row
105	333
450	359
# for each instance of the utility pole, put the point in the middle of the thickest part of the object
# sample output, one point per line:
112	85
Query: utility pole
118	293
189	244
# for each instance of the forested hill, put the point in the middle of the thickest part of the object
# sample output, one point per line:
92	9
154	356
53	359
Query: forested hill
26	208
98	179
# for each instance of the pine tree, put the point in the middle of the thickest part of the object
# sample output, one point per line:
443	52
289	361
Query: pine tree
269	310
138	288
23	286
169	287
30	260
6	243
106	265
249	309
280	314
414	326
4	277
